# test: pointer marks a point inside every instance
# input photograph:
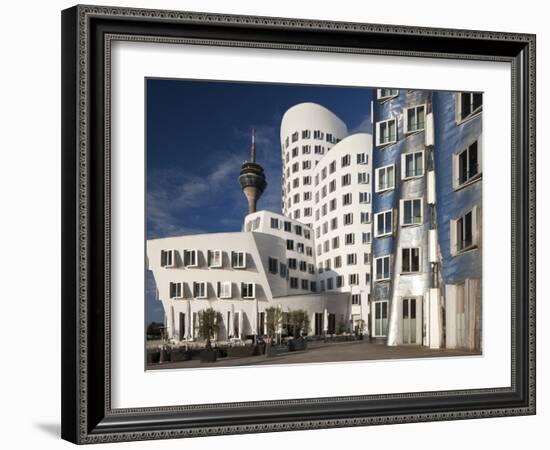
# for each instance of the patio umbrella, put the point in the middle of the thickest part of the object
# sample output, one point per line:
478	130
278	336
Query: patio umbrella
189	321
255	330
240	323
325	321
231	324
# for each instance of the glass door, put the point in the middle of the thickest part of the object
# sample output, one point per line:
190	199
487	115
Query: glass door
380	318
409	321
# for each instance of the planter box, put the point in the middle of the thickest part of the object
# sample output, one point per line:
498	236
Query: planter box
209	356
179	354
153	356
297	345
241	351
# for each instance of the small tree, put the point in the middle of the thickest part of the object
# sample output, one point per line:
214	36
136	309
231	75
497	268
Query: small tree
299	321
342	325
209	324
273	317
360	327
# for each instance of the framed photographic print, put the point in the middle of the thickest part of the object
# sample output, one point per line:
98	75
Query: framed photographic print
304	224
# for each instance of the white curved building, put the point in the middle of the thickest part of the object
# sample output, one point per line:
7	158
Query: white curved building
308	132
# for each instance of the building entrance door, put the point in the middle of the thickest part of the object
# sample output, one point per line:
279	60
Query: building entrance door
318	324
409	321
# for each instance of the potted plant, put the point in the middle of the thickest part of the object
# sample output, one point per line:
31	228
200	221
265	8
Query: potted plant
360	329
300	324
209	321
273	318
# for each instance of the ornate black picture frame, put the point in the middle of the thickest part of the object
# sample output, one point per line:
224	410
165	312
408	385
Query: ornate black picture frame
87	34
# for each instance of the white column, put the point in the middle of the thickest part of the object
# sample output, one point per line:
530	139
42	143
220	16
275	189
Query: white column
450	316
434	324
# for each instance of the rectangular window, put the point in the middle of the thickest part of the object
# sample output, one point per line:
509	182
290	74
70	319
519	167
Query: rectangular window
385	178
323	173
273	265
366	238
348	219
384	94
345	161
415	118
248	290
214	258
351	259
364	197
317	134
386	132
330	283
334	223
326	246
311	269
289	244
337	262
411	212
382	268
190	258
238	260
303	266
274	223
346	199
466	164
313	286
465	231
282	270
306	165
199	289
356	299
469	103
224	289
366	258
292	263
288	226
319	149
294	136
306	134
306	149
327	264
294	282
380	318
306	181
383	223
346	179
353	279
176	290
362	158
412	165
363	178
323	192
295	152
332	204
300	247
295	167
167	258
335	242
305	285
332	186
339	281
365	217
350	239
307	212
410	260
332	167
307	233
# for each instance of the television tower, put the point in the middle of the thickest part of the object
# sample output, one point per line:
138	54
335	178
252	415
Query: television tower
252	179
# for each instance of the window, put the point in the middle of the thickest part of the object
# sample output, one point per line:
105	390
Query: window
385	178
305	285
382	268
335	242
365	217
362	158
319	149
307	233
324	210
323	192
248	290
465	231
295	167
297	214
334	223
190	258
414	118
311	269
366	258
274	223
292	263
362	177
306	149
380	318
329	137
306	134
313	286
317	134
330	283
323	173
309	251
176	290
298	229
469	103
367	278
386	132
364	197
294	282
346	161
383	222
300	247
287	157
411	212
287	142
332	167
295	152
307	181
366	238
167	258
332	204
383	94
282	270
199	289
289	244
307	212
353	279
224	289
238	260
466	165
273	265
339	281
327	264
349	239
332	186
410	260
348	219
351	259
346	179
294	136
412	165
355	299
288	226
337	262
306	165
214	258
303	266
326	246
325	227
346	199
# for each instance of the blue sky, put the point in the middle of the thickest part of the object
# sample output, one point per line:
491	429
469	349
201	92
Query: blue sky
198	135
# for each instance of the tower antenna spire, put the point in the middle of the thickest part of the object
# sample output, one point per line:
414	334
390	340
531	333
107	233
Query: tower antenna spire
253	147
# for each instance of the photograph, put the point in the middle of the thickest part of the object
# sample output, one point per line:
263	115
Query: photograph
301	224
